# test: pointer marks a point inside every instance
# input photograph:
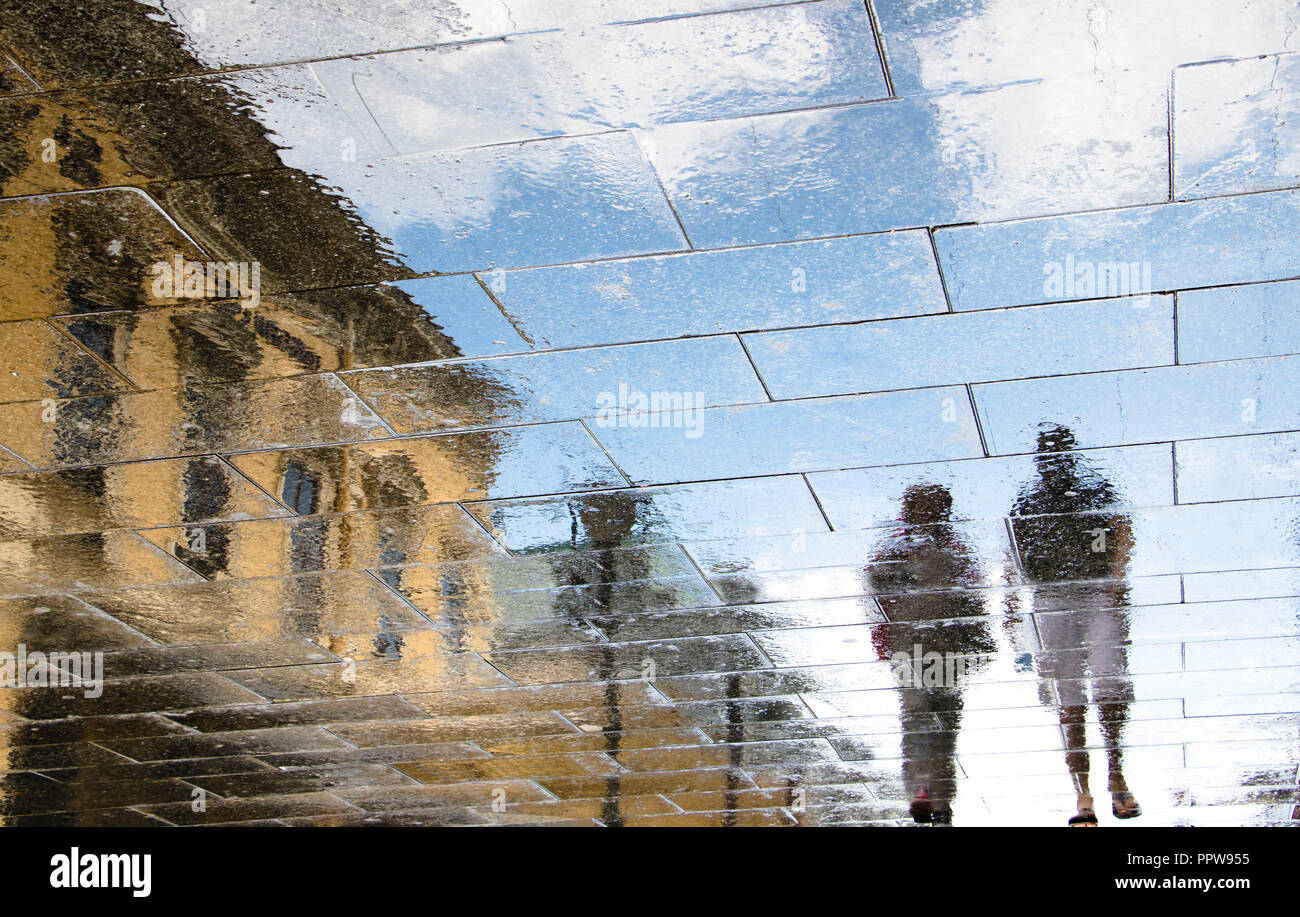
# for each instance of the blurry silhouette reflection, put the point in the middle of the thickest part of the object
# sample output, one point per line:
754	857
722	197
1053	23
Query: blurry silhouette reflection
1065	537
602	523
922	560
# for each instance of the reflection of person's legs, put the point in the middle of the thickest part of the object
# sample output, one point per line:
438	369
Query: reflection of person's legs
929	768
1112	692
1114	716
918	737
1061	663
943	781
1074	728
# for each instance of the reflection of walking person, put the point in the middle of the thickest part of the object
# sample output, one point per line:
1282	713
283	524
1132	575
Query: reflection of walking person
925	556
1068	539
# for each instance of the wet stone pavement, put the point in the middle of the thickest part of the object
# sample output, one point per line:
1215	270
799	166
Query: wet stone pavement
671	412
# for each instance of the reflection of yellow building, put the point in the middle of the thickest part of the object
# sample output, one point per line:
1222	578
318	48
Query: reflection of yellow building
165	348
87	258
12	632
67	149
77	253
24	623
28	265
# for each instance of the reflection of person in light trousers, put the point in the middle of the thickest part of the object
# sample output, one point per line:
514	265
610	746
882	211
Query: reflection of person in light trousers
1078	556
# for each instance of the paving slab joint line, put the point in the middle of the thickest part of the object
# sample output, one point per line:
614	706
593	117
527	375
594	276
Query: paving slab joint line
514	322
595	439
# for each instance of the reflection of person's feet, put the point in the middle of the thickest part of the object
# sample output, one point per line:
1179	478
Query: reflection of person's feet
942	815
1124	805
922	811
1087	817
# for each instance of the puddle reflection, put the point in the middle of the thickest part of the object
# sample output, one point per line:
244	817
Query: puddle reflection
926	560
357	545
1064	534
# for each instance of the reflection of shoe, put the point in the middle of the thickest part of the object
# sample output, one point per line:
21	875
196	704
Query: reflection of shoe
1087	817
922	811
943	816
1124	805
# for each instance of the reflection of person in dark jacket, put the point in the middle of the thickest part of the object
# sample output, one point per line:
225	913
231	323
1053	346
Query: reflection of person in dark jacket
927	555
1067	537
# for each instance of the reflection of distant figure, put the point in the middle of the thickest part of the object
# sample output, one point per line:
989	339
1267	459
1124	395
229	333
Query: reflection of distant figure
1066	538
605	522
929	555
